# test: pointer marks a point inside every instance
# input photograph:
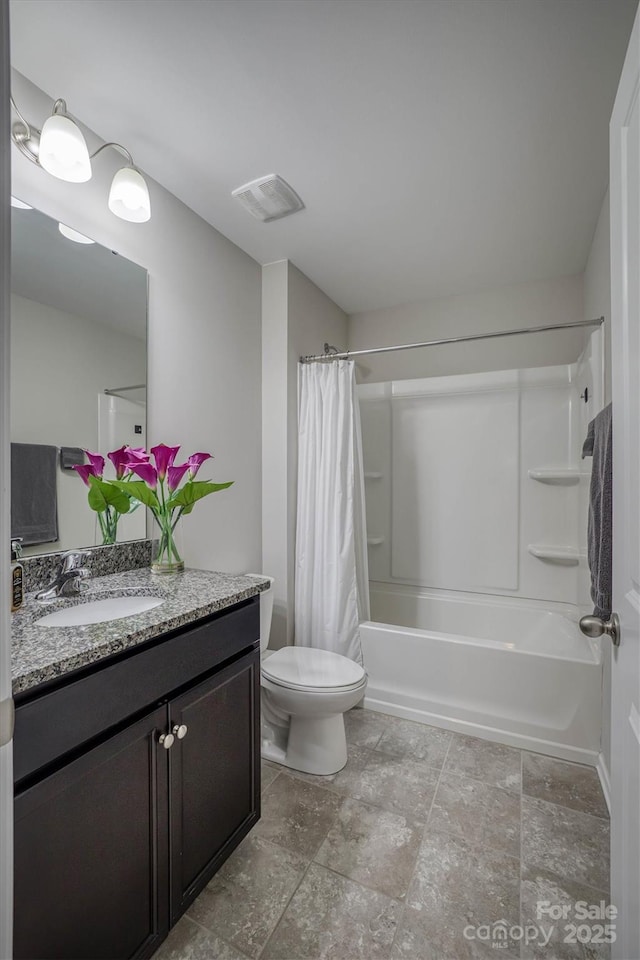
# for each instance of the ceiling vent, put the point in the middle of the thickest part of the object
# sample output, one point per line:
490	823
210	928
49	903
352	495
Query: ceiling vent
268	198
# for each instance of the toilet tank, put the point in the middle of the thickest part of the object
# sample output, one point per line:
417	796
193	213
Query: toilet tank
266	612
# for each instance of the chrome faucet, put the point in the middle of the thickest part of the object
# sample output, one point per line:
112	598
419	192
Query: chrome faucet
68	579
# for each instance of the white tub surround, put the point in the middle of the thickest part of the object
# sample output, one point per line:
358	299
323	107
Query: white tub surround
517	672
474	482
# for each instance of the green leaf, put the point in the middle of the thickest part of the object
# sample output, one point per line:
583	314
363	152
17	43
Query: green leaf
103	494
193	491
139	491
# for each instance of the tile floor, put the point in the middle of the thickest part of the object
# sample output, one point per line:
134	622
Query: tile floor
423	834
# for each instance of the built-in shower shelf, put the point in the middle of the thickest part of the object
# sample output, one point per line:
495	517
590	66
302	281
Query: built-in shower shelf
567	556
564	476
374	541
372	476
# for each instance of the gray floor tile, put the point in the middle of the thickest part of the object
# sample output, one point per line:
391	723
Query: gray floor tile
357	759
441	936
375	891
404	738
459	887
571	785
478	812
398	784
189	941
484	882
269	773
373	847
566	842
249	893
484	760
332	918
364	727
540	885
296	814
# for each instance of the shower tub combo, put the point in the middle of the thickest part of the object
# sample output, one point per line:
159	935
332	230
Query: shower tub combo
519	672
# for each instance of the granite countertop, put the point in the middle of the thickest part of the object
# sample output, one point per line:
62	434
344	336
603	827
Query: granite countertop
40	654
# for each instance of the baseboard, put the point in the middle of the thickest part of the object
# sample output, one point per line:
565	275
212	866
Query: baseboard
605	781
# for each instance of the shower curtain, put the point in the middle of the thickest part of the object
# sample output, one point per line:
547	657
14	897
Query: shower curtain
332	579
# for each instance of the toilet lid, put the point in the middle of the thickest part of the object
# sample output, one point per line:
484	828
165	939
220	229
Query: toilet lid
308	667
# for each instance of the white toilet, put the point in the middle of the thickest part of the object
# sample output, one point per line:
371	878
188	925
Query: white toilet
305	693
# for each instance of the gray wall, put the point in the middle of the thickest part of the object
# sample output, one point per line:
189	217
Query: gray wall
204	339
540	303
297	319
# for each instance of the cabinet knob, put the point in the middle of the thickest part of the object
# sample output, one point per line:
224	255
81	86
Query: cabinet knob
166	739
180	731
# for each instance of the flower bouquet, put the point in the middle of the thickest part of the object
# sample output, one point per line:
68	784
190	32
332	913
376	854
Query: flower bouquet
158	486
107	500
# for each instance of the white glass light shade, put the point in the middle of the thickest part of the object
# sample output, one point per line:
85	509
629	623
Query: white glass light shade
129	196
63	151
74	235
19	204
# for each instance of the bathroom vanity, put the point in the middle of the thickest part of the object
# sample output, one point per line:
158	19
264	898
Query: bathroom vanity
137	768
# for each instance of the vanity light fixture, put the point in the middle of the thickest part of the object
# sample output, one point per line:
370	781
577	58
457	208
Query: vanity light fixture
19	204
74	235
61	150
129	194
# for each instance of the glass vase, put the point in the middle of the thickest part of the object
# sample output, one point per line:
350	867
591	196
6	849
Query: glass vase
166	547
106	527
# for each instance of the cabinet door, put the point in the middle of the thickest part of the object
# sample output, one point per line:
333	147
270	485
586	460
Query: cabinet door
91	852
214	775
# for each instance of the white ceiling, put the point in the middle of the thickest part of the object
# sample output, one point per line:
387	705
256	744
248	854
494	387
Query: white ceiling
440	146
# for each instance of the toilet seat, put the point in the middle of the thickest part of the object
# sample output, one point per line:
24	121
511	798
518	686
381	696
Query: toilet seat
306	668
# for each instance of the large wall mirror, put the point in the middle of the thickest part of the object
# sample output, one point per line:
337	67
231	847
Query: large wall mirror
78	377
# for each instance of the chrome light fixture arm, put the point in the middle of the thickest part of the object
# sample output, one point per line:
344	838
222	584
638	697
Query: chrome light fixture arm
25	136
116	146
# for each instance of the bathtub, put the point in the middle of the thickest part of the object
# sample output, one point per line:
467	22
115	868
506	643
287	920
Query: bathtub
516	671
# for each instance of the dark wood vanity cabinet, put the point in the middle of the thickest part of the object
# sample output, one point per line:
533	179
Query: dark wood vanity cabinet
115	838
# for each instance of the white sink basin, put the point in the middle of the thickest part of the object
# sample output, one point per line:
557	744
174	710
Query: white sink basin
99	611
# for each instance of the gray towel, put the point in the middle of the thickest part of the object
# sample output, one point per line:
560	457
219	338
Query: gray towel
600	443
34	502
587	446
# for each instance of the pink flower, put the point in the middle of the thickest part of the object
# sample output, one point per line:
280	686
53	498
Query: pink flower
195	461
137	453
97	462
86	470
94	468
120	458
164	457
175	475
146	472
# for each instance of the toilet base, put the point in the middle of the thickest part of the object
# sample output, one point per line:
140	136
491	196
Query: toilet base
315	745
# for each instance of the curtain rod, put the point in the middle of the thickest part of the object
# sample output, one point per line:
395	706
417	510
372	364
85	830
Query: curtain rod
331	353
115	390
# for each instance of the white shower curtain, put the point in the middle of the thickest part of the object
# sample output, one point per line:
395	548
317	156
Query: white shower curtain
332	579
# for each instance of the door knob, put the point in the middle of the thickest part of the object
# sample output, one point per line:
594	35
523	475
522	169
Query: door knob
180	731
166	739
595	626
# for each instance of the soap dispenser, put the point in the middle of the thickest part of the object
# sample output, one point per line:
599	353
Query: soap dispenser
17	575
